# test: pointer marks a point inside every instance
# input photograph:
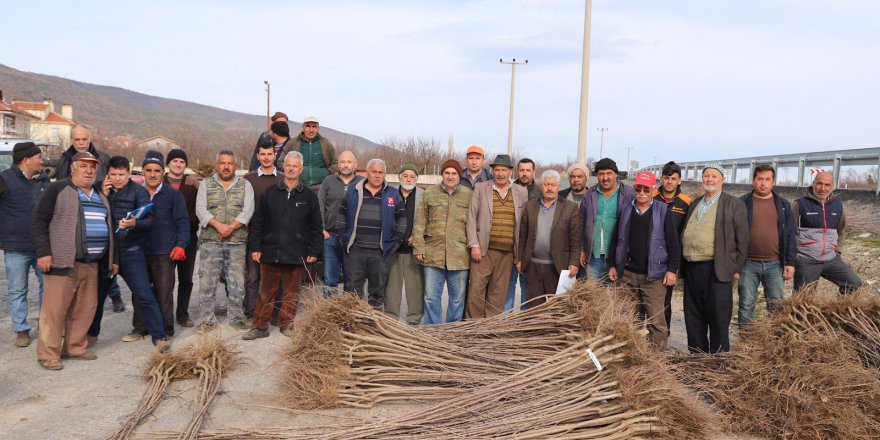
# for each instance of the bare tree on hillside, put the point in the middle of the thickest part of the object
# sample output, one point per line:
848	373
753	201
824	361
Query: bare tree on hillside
424	153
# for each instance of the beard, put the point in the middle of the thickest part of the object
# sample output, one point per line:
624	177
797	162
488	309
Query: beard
408	186
345	172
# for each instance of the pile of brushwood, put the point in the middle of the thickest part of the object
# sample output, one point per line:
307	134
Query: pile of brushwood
810	372
208	361
576	366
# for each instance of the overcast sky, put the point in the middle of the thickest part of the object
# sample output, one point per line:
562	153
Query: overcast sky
682	80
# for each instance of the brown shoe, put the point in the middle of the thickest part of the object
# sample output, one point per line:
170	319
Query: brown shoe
90	341
51	364
84	356
185	321
23	339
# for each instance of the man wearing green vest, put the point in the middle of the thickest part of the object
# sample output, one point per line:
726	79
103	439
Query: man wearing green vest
319	155
224	205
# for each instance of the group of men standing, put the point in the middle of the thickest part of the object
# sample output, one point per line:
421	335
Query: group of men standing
478	233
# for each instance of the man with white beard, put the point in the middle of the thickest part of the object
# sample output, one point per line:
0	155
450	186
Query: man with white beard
405	268
331	195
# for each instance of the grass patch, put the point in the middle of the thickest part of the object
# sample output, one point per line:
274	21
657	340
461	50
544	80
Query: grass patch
872	241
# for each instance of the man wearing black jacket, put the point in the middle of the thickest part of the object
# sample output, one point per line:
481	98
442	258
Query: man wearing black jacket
772	246
285	236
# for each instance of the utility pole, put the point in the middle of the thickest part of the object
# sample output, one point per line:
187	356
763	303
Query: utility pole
602	130
513	64
268	118
628	163
585	85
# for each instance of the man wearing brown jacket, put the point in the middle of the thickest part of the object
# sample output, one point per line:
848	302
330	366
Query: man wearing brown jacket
549	238
493	238
715	244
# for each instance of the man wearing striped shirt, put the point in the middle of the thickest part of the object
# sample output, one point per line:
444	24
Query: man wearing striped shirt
71	234
372	222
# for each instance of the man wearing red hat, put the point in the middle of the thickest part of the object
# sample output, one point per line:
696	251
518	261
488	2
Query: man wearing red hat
646	254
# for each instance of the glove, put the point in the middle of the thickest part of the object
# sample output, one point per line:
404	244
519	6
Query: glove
178	254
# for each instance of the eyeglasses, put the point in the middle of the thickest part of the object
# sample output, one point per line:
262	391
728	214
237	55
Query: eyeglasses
642	189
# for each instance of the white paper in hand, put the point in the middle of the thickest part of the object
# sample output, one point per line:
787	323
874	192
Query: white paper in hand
565	282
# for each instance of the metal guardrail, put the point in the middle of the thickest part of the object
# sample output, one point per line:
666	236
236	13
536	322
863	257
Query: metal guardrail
802	161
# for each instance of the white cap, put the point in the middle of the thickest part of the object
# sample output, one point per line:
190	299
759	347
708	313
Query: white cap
311	119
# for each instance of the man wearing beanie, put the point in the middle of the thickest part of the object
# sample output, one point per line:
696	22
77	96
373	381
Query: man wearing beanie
440	245
261	179
20	188
166	242
600	208
189	188
405	269
266	137
319	153
81	141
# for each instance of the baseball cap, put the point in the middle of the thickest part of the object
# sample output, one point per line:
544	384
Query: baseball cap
646	178
311	119
475	149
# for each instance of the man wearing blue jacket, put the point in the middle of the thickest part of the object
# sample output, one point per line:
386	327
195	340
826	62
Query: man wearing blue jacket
599	209
126	196
372	222
166	241
772	247
20	189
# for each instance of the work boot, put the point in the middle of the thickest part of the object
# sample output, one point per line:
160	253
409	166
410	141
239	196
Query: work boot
133	336
256	333
118	305
84	356
23	338
51	364
184	321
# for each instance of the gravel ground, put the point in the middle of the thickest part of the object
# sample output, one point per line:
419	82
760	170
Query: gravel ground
90	399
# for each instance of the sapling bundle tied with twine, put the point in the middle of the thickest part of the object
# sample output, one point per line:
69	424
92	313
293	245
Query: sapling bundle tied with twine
594	378
809	372
208	360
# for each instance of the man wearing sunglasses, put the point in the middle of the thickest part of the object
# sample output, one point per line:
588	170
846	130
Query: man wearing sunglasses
646	254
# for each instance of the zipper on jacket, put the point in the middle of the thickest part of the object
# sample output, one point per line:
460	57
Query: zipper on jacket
824	230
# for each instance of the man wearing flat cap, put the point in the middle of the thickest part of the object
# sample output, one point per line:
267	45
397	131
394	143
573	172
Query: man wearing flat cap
405	270
493	238
72	235
266	138
440	244
600	208
715	244
318	153
20	189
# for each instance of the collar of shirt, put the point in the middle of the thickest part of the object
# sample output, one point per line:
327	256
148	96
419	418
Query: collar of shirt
261	173
548	208
498	190
639	211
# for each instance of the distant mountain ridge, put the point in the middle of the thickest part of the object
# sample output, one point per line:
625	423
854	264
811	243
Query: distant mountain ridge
115	111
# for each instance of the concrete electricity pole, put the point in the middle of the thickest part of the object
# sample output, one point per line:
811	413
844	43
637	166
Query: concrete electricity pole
513	64
602	130
585	86
628	163
268	118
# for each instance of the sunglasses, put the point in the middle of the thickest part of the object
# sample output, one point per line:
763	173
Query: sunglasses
642	189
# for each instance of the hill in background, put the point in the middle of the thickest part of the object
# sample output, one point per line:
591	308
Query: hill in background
114	111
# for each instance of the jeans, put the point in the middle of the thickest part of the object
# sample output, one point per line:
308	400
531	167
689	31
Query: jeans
456	283
597	269
133	270
114	291
332	263
17	272
511	290
753	273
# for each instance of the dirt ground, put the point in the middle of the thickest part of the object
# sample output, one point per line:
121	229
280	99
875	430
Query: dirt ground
90	399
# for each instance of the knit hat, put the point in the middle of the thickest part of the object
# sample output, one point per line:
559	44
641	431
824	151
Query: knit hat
154	157
408	167
715	166
281	128
24	150
605	164
452	163
578	166
279	115
177	154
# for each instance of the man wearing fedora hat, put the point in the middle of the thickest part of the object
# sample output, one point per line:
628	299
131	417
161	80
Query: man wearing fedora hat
20	188
493	238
